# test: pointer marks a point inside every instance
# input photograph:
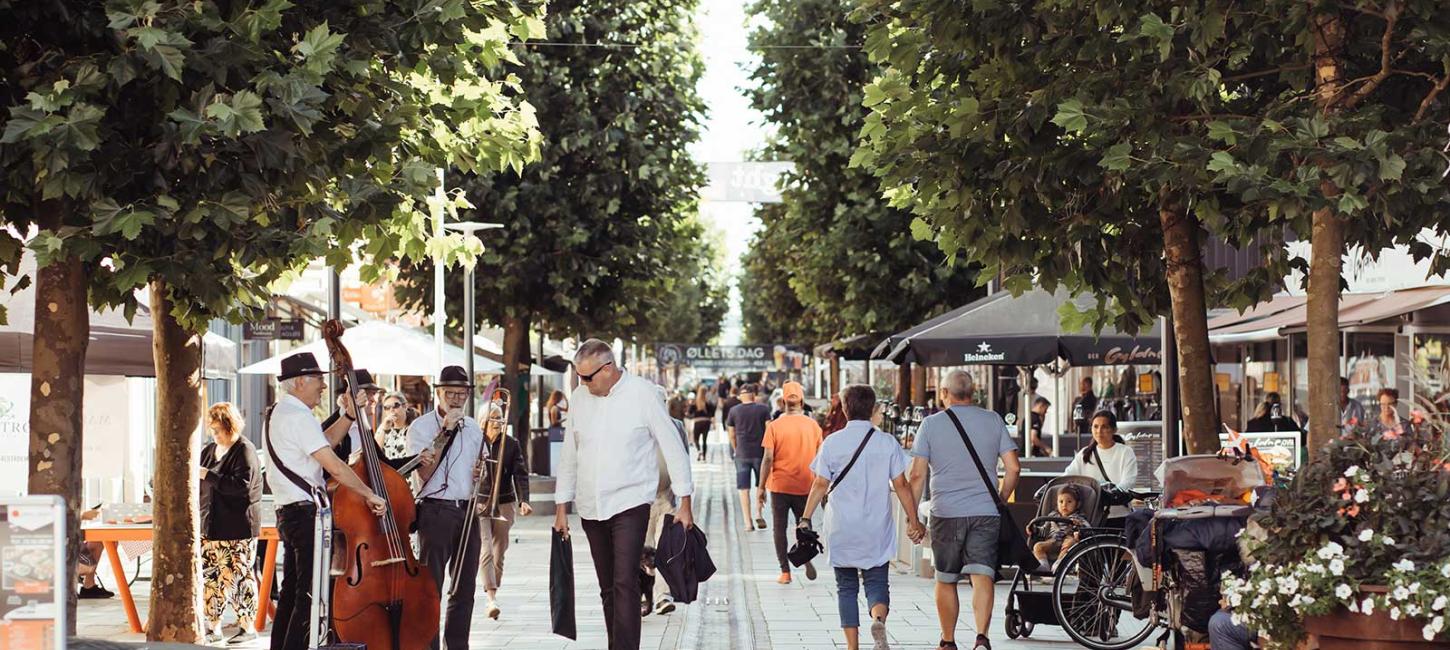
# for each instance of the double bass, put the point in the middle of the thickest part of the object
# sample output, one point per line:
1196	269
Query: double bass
383	597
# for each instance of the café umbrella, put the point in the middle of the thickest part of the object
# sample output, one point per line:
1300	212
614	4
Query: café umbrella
384	349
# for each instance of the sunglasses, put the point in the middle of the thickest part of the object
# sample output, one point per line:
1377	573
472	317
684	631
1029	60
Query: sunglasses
590	377
394	405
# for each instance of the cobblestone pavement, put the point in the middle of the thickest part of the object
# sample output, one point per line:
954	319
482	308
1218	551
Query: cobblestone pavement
741	607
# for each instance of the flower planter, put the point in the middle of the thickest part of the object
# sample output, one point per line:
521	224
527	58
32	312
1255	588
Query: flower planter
1346	630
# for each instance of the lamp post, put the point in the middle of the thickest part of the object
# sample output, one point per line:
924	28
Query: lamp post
469	228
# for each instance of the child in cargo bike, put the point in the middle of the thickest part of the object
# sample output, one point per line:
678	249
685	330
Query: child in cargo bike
1052	539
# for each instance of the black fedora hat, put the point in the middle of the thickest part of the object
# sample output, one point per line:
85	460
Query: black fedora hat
453	376
297	365
364	380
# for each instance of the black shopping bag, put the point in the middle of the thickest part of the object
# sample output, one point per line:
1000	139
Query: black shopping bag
561	587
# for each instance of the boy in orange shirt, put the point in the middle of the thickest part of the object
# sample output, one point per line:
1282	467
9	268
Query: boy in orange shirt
791	443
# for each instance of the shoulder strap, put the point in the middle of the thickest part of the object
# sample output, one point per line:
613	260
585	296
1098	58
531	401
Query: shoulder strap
991	485
277	460
1099	460
851	463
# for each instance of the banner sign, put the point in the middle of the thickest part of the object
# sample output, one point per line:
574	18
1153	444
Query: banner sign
1280	448
32	573
273	329
778	356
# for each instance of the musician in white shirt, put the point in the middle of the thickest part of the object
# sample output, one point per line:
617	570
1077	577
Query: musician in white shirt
296	443
610	472
448	479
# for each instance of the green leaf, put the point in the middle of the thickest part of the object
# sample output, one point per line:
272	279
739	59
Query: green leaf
1222	132
1118	157
874	95
1070	116
1392	167
921	230
1151	26
1222	161
1348	143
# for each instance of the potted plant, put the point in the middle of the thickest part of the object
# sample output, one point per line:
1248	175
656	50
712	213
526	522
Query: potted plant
1356	549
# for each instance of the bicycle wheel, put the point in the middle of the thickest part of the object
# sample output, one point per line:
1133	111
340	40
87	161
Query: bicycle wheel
1091	597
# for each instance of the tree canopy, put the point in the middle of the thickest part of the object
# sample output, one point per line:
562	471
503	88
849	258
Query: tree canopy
599	234
850	258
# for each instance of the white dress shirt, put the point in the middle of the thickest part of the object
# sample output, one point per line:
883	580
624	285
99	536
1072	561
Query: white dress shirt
610	443
295	435
453	478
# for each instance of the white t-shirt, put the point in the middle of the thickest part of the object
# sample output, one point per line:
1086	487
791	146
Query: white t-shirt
295	435
1120	461
453	479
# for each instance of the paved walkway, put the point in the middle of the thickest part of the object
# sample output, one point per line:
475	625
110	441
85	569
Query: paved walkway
741	607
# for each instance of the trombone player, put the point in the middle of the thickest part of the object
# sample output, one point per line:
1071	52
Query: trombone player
507	480
448	476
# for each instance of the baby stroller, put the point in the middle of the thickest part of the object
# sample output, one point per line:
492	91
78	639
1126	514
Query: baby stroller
1029	604
1182	550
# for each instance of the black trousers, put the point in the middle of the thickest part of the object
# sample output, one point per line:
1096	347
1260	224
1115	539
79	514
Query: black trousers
616	544
781	505
440	525
295	523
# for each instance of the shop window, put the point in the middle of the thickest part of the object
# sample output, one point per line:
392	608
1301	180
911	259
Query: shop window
1371	366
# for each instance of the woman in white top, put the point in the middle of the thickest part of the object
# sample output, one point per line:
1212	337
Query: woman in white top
1109	459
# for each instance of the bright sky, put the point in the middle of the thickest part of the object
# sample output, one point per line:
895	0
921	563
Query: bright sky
731	130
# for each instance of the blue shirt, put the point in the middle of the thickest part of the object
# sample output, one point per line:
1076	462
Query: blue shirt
862	531
957	489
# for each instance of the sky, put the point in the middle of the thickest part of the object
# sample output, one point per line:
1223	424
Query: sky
731	129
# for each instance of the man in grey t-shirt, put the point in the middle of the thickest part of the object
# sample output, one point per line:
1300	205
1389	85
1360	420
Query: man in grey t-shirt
964	520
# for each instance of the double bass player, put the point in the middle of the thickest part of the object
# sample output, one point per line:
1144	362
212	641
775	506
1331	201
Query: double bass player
448	481
299	451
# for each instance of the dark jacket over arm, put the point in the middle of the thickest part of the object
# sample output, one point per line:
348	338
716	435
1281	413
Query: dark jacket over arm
231	493
514	484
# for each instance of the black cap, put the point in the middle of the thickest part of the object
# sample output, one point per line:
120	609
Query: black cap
453	376
297	365
750	388
364	380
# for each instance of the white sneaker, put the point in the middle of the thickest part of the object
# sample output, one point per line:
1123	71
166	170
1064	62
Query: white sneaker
878	635
493	610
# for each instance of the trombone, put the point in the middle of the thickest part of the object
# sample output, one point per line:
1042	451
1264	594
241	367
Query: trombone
491	460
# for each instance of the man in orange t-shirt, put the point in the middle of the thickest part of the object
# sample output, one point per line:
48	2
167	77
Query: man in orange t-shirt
791	443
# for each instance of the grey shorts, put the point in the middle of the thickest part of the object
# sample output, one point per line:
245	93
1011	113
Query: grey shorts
964	546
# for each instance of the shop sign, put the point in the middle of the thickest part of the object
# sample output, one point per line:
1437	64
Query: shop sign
273	329
1119	355
733	357
983	354
1280	448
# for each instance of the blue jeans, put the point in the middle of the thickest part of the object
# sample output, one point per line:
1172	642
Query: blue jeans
1224	634
847	586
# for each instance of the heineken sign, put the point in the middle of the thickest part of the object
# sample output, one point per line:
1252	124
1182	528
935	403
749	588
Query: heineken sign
776	356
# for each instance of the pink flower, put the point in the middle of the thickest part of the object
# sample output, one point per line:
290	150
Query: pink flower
1352	510
1340	484
1392	434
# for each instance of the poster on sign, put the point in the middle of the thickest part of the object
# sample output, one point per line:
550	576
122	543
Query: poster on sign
14	432
1280	448
32	572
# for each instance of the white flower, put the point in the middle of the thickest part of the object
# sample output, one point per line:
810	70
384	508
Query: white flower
1401	593
1361	495
1394	613
1297	601
1445	570
1388	541
1343	592
1439	604
1412	610
1353	606
1434	627
1414	587
1317	569
1336	566
1351	471
1366	534
1367	608
1405	565
1235	600
1288	585
1330	550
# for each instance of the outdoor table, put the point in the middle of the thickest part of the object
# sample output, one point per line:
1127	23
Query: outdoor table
110	534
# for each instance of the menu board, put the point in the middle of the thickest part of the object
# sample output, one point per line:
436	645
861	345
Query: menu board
32	570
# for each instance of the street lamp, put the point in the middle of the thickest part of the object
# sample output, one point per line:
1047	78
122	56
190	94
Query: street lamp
469	228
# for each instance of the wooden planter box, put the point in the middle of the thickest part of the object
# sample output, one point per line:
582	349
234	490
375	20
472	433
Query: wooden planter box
1346	630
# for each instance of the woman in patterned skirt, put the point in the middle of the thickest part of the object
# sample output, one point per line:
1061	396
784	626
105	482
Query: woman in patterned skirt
231	510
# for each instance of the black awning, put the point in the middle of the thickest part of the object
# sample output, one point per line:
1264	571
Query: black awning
1016	331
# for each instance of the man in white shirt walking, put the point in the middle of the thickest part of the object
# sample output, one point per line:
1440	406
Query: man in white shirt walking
610	472
448	474
298	451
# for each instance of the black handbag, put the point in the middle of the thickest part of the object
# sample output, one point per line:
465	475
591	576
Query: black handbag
1012	549
561	587
808	542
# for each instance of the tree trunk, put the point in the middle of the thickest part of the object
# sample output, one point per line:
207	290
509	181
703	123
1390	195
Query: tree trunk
1326	243
918	385
516	353
903	383
179	407
1183	260
57	391
835	374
